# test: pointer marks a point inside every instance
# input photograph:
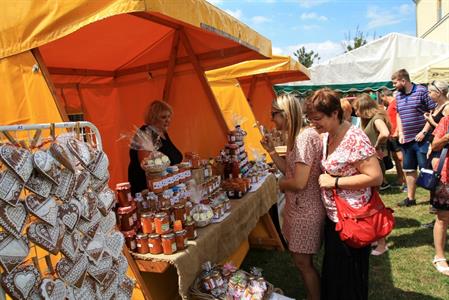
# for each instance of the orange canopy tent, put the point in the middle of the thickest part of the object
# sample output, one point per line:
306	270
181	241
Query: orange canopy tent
246	89
109	59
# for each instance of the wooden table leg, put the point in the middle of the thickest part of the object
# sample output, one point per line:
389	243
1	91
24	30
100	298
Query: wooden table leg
265	235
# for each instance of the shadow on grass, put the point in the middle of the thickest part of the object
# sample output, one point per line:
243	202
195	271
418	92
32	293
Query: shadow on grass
406	222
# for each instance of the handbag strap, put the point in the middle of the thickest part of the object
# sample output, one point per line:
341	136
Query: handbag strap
442	158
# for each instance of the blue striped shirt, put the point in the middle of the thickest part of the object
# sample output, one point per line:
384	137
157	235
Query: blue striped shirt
411	109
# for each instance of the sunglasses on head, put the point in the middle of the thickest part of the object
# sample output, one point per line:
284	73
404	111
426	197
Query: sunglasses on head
433	84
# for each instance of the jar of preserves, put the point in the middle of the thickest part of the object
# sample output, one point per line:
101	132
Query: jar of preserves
176	196
180	212
142	243
170	213
181	239
125	218
161	223
189	207
190	230
165	199
155	243
124	196
154	182
174	172
153	202
130	239
165	180
218	279
135	216
147	222
168	243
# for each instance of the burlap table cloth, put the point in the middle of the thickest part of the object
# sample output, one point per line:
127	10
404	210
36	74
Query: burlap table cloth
218	241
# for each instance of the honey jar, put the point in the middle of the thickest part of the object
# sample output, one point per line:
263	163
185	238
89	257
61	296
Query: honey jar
181	239
130	239
125	218
142	243
168	243
161	223
191	232
147	222
155	243
124	196
180	212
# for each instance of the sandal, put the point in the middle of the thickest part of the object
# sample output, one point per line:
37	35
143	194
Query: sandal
376	252
442	269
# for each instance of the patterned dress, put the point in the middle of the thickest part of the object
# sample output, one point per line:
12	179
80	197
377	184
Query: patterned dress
440	198
304	213
354	147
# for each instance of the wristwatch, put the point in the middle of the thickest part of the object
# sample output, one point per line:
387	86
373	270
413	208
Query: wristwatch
424	132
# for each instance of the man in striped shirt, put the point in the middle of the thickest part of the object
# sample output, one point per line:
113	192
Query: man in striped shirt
412	102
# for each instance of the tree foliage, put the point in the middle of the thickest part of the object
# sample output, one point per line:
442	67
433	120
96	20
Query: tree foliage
306	58
358	41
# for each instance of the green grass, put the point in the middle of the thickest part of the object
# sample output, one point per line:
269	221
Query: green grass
404	272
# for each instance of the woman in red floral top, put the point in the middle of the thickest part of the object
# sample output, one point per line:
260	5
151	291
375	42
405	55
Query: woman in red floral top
350	166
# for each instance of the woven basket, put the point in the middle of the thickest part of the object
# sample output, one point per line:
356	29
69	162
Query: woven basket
196	292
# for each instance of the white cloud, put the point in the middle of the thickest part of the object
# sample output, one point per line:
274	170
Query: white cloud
313	16
381	18
405	9
238	14
311	3
260	19
278	51
326	50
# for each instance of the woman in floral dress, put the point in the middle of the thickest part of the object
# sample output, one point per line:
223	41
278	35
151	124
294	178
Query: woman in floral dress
304	212
351	168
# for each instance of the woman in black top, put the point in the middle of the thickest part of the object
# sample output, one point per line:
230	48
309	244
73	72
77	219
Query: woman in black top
157	120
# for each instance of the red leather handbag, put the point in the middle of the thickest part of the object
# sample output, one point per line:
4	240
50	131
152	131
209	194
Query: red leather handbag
359	227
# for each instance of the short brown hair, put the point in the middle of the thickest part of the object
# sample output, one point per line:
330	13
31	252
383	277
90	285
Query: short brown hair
325	101
386	92
367	108
401	74
154	109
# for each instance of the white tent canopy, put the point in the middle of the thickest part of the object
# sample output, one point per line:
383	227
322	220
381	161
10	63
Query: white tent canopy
438	69
374	62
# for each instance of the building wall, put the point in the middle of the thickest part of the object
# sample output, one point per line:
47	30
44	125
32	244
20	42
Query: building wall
428	25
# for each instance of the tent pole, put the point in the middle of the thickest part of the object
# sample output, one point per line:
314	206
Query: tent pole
252	87
270	86
37	55
171	66
202	77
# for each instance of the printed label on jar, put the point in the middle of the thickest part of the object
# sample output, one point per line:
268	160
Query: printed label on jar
139	245
157	185
150	245
173	247
134	217
231	193
133	245
165	227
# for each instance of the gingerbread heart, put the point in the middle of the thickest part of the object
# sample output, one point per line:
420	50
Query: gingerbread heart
97	185
107	289
46	236
121	266
69	214
80	150
73	273
114	243
22	282
81	184
45	209
12	251
66	185
19	160
71	244
89	228
99	165
39	184
87	290
89	203
61	155
107	224
10	187
45	165
101	269
106	200
13	219
93	247
125	289
53	289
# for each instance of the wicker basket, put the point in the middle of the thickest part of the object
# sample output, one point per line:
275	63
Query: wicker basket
196	292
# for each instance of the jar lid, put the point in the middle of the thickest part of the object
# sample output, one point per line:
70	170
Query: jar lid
161	215
129	233
154	236
141	235
124	210
168	235
147	214
178	206
181	232
123	185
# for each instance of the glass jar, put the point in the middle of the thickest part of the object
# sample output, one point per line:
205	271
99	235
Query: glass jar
181	239
124	196
180	212
176	195
130	239
154	183
142	243
217	211
170	214
125	218
153	202
165	199
189	207
147	222
218	279
174	172
165	180
135	215
161	223
191	231
168	243
155	243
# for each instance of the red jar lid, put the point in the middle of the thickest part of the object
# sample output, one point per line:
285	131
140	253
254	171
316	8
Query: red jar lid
129	233
125	210
123	186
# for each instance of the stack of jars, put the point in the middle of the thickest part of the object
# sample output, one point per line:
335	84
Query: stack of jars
126	214
235	158
236	188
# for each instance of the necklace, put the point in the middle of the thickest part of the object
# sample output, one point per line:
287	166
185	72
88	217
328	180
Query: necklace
333	137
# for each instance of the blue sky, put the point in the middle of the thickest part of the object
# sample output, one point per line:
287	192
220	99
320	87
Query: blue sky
321	25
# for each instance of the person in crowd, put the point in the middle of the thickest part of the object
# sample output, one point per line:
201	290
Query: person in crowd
376	125
304	212
389	101
438	93
413	102
440	197
347	109
351	168
157	120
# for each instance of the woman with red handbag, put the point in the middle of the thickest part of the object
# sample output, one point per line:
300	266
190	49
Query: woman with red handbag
351	170
304	213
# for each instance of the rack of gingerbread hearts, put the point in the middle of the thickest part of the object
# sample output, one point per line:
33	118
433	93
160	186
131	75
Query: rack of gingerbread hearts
58	238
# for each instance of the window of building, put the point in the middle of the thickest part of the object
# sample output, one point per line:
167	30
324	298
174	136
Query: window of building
439	10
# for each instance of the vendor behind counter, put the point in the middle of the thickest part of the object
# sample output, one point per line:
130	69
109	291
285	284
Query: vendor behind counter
157	121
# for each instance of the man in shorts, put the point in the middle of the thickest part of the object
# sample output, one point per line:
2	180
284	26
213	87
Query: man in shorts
412	102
